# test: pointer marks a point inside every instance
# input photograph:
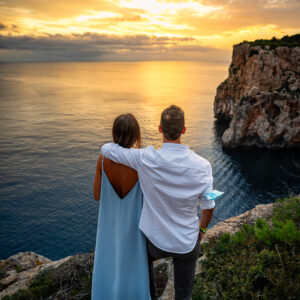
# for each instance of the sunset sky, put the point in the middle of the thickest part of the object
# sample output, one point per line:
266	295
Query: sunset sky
88	30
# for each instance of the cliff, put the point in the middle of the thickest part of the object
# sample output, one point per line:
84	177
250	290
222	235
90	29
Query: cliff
30	274
261	96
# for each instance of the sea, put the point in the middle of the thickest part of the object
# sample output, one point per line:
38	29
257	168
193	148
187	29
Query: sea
55	116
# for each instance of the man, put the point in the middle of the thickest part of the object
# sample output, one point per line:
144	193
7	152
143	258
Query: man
173	179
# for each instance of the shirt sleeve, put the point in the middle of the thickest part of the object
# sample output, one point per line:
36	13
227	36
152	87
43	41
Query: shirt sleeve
129	157
208	186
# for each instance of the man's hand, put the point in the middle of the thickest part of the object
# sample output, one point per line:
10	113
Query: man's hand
201	235
206	216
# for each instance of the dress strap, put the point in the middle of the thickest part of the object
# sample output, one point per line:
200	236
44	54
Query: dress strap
102	164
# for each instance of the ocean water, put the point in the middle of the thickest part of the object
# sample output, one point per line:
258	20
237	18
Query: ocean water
54	117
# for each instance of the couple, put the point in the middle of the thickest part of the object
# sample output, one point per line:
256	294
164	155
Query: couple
148	210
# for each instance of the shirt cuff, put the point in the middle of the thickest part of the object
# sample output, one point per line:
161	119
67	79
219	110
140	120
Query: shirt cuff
207	204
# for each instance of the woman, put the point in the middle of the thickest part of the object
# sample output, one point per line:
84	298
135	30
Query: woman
120	265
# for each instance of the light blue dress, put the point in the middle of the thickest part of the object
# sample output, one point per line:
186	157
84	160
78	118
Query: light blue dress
120	265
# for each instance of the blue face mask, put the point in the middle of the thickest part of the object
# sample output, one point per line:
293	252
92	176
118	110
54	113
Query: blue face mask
213	195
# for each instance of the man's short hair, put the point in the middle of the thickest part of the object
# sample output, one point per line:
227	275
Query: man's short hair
172	122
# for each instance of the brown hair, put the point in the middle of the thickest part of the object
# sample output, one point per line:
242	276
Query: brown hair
172	122
126	131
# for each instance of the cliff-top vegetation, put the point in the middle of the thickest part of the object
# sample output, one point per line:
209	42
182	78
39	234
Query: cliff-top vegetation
260	261
288	41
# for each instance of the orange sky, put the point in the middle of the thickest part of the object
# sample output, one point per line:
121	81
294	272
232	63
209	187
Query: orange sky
138	29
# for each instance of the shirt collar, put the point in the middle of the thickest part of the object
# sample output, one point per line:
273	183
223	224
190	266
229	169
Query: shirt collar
175	146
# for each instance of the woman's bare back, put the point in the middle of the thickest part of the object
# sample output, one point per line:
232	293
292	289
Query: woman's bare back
121	177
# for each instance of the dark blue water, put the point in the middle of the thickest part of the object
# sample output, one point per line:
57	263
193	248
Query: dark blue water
54	117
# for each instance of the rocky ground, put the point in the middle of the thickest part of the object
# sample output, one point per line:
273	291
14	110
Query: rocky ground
70	277
261	97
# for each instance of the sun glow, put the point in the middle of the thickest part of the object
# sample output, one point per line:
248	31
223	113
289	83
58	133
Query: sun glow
97	15
172	8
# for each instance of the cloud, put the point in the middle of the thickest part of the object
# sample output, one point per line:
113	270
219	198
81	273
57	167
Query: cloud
183	16
107	27
135	18
57	9
283	13
2	26
92	46
237	14
9	28
88	40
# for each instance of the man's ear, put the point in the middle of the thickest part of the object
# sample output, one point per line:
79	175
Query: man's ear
159	129
183	130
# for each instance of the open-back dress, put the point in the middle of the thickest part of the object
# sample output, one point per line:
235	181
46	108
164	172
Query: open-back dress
120	266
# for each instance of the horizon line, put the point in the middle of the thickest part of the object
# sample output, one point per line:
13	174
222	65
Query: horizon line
115	60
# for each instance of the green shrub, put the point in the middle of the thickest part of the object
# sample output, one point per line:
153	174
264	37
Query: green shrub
257	262
40	288
71	280
288	41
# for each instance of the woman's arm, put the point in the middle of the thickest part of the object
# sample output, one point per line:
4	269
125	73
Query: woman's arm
98	177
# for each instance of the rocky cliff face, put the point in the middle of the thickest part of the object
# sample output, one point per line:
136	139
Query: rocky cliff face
261	97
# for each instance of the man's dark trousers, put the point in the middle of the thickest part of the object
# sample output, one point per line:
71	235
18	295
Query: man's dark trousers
184	270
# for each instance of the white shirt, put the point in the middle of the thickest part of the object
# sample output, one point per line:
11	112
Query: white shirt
173	179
